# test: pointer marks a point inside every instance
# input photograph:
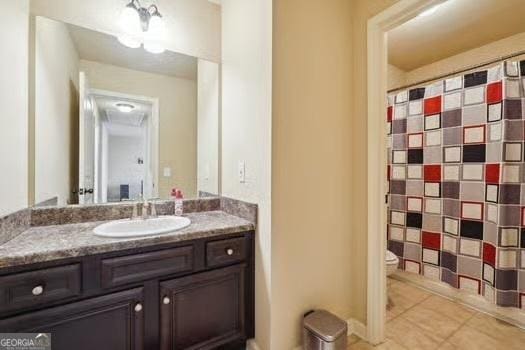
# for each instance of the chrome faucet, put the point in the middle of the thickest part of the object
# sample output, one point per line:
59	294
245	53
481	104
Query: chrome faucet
153	211
145	206
135	213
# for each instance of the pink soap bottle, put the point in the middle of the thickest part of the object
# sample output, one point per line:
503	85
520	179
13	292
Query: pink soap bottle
178	197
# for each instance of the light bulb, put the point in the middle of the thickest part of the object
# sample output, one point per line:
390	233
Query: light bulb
156	27
125	107
155	34
129	41
130	20
153	47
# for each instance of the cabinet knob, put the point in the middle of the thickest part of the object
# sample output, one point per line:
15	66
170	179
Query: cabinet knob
38	290
166	300
229	251
138	307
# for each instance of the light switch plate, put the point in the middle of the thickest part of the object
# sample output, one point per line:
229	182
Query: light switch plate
167	172
242	171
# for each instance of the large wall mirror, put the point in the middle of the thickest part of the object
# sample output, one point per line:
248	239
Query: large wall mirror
115	121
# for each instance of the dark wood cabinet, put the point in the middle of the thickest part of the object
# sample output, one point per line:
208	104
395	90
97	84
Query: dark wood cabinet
38	287
110	322
203	311
195	294
225	252
140	267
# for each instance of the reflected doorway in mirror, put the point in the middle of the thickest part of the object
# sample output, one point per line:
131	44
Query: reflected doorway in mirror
118	153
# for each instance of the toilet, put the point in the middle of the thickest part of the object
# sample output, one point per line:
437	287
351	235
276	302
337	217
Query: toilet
392	261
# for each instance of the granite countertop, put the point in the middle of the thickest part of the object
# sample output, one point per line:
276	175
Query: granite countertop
48	243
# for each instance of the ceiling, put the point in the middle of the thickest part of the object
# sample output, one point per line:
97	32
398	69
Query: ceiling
456	26
104	48
119	123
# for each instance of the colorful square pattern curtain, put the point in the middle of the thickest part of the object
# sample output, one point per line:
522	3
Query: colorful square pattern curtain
457	182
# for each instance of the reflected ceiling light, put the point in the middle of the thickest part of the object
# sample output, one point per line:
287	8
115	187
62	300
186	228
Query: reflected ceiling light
154	34
153	47
156	25
125	107
130	19
431	10
129	41
142	25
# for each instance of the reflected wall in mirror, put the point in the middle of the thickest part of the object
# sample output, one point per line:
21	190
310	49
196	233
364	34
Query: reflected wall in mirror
113	123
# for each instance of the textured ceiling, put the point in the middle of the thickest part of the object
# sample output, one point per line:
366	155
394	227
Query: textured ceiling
455	27
104	48
119	123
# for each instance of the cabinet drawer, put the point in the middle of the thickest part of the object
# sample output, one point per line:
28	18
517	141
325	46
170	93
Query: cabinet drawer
140	267
38	287
225	252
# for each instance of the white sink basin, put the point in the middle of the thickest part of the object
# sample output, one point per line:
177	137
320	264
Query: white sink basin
140	227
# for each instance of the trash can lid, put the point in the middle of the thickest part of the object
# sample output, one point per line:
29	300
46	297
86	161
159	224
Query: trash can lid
325	325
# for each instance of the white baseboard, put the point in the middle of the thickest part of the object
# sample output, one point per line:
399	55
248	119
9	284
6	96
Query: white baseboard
252	345
356	327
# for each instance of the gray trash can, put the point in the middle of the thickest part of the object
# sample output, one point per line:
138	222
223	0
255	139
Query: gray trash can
324	331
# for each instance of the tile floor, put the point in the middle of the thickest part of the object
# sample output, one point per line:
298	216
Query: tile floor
420	320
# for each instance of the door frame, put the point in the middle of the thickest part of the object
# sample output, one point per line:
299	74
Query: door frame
153	131
377	57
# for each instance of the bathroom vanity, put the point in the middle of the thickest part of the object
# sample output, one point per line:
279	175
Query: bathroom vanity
192	289
123	115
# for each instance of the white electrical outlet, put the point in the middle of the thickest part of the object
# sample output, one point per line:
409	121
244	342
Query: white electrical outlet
167	172
242	171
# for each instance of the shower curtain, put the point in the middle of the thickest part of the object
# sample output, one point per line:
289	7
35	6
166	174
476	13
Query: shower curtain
457	182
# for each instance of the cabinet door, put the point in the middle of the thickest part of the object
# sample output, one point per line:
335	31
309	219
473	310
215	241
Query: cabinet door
110	322
203	311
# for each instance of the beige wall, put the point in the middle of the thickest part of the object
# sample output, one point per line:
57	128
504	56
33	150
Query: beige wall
14	56
208	127
396	77
311	161
463	60
363	10
246	130
178	118
56	112
193	26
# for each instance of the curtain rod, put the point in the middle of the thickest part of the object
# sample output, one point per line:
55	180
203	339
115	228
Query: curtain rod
463	70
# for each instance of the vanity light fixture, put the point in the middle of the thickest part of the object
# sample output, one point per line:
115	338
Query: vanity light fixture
142	26
125	107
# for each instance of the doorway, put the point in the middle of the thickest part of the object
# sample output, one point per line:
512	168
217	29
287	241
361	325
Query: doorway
421	206
118	151
377	56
